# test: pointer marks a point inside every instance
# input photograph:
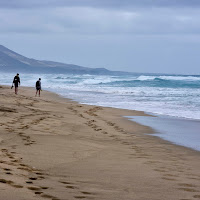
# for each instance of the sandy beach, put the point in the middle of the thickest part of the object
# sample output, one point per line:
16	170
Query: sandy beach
54	148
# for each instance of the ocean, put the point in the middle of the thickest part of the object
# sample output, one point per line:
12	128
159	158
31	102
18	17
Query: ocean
166	95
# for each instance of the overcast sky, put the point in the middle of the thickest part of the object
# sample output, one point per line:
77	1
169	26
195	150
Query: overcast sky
161	36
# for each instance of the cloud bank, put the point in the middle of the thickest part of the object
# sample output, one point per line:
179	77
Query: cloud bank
98	21
98	3
101	33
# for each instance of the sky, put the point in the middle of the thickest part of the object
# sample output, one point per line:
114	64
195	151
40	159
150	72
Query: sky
147	36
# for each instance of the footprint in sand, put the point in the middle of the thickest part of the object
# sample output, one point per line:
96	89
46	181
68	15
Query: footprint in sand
27	144
39	173
38	192
64	182
29	182
24	168
9	173
11	183
11	157
34	188
187	185
33	178
188	189
98	129
23	165
17	186
5	181
68	185
80	115
94	126
6	169
44	188
110	123
79	197
196	196
4	150
126	143
169	179
71	187
87	193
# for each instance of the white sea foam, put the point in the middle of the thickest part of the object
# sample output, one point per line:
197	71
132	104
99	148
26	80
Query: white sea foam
175	78
180	78
145	78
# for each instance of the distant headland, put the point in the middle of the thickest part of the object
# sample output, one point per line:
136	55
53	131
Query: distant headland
12	61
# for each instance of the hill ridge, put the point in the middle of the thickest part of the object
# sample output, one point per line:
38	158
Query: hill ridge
12	61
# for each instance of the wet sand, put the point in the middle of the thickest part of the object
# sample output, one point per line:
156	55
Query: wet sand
180	131
54	148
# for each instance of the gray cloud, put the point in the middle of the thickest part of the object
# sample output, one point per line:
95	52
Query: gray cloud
99	3
148	34
93	21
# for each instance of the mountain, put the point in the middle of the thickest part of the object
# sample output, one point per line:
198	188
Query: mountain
11	61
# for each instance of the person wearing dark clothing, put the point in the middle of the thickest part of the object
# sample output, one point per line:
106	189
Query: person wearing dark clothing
38	87
16	82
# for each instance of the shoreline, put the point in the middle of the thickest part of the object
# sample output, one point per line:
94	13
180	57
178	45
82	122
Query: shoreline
55	148
153	129
178	131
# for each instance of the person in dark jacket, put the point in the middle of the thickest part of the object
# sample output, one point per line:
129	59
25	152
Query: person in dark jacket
38	87
16	82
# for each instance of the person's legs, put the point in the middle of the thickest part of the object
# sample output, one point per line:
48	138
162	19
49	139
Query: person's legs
39	93
36	92
16	90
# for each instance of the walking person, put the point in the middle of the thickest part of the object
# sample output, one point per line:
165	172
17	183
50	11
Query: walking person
16	82
38	86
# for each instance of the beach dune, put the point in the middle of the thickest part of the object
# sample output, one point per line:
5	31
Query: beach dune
54	148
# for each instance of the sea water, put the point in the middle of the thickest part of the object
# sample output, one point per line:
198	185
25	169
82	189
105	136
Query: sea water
184	132
170	95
